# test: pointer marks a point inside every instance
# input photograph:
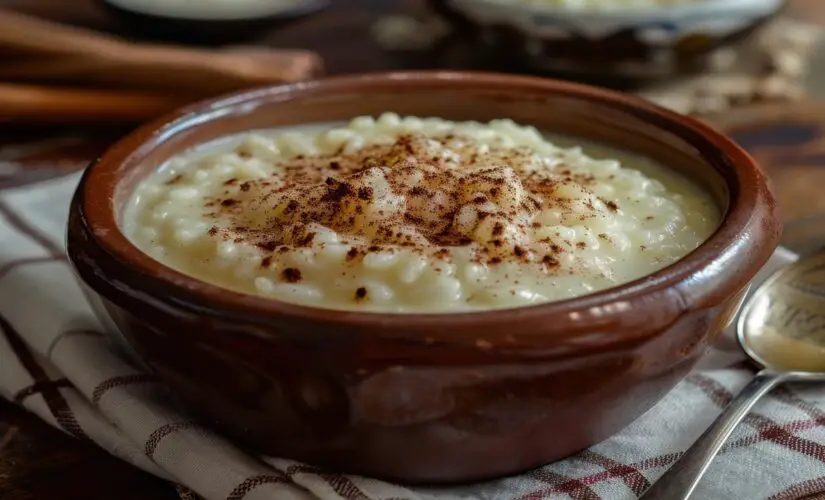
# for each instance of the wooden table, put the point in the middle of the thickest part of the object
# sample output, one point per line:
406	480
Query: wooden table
37	462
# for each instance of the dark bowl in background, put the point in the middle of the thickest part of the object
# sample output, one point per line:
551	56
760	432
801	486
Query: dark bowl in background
426	398
205	31
628	43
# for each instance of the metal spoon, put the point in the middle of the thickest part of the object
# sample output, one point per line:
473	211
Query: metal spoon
782	329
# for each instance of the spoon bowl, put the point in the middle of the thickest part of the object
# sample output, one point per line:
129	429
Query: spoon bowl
782	330
782	327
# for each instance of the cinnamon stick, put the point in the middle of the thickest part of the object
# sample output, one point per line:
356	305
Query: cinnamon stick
43	51
51	105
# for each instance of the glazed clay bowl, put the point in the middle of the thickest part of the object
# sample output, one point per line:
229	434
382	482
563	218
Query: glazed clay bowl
426	398
626	43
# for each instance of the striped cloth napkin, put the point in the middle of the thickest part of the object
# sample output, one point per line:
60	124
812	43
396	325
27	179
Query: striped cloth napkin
57	362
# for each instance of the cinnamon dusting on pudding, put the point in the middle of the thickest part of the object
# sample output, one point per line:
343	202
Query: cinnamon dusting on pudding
402	195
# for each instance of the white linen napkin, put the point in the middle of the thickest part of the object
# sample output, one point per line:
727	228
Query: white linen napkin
56	362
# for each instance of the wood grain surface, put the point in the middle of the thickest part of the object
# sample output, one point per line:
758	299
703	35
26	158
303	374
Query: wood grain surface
39	463
789	142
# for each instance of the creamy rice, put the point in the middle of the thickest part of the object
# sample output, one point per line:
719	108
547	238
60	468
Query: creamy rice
410	214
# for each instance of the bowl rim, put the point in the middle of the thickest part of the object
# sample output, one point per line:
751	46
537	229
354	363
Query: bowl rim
94	206
283	13
700	8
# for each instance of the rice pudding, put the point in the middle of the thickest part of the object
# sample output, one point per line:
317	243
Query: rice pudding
414	215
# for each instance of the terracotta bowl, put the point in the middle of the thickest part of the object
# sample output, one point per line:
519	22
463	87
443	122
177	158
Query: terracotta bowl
636	43
426	397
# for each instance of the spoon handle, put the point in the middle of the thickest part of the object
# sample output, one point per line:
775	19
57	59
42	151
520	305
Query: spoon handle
682	478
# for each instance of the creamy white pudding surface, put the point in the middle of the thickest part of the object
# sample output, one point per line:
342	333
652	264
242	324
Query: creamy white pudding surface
413	215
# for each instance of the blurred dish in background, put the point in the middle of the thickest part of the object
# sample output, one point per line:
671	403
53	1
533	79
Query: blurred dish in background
770	68
641	39
208	21
604	4
213	9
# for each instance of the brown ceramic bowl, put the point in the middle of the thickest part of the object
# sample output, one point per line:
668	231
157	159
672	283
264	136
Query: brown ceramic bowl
625	43
426	397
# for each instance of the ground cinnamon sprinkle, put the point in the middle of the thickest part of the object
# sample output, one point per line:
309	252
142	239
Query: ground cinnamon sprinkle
353	253
365	193
400	194
291	275
550	261
268	246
